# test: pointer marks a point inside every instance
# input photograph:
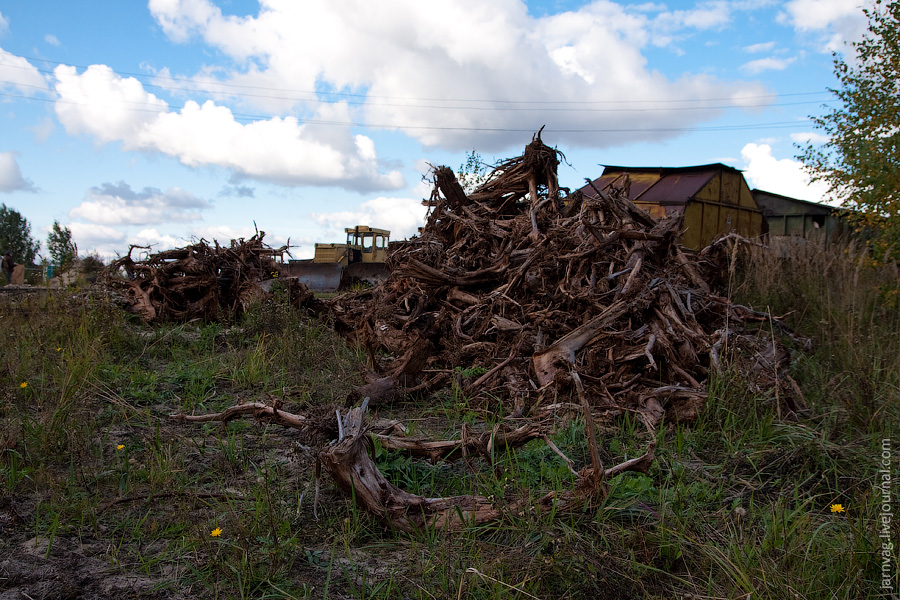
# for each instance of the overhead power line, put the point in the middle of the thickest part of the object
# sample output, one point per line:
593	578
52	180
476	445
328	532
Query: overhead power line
248	117
544	105
543	109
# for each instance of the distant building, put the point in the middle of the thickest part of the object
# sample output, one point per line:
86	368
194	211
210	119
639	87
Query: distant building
712	200
799	218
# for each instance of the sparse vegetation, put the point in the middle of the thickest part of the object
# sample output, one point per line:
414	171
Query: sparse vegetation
473	172
63	251
102	495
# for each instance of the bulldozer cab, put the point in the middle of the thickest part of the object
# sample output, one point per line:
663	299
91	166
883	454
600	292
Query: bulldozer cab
364	245
367	244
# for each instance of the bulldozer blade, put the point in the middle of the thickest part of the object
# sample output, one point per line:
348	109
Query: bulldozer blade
364	273
318	277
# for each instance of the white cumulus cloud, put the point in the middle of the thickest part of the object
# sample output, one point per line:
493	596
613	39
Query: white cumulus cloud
780	176
766	64
158	241
118	204
761	47
458	73
100	103
809	137
11	179
110	108
91	238
401	216
180	18
706	15
20	75
834	22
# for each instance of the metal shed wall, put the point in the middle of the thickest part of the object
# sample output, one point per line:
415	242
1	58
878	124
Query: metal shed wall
712	199
787	216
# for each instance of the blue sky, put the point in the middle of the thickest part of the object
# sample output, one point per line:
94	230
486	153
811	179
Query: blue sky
167	121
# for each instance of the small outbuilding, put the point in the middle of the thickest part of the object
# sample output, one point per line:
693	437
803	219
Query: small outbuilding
792	217
711	199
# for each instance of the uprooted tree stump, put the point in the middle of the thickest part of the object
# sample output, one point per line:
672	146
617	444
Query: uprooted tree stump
350	464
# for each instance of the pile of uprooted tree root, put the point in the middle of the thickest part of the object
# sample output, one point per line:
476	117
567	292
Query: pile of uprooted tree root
200	281
534	285
556	301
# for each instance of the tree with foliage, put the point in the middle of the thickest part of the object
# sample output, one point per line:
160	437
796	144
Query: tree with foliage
473	172
15	236
860	162
63	250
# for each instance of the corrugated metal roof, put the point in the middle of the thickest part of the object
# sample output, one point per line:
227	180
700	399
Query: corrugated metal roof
669	170
638	186
774	204
659	185
676	188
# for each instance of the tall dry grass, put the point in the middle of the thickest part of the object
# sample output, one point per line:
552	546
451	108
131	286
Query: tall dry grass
848	302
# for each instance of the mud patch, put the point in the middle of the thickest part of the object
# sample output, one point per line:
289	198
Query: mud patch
41	568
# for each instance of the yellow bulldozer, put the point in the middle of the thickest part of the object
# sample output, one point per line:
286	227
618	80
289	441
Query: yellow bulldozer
360	260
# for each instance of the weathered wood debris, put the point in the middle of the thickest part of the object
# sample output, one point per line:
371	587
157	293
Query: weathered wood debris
200	281
560	302
531	283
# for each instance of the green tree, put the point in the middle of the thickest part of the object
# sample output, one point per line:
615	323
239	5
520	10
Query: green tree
63	250
473	172
860	161
15	236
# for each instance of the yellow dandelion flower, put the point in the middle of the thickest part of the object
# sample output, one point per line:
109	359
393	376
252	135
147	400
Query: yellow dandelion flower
23	385
58	349
216	532
120	447
837	508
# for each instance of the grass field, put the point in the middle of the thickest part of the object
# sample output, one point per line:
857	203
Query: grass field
103	495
